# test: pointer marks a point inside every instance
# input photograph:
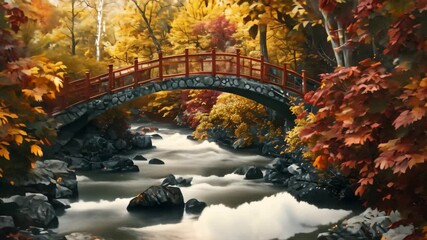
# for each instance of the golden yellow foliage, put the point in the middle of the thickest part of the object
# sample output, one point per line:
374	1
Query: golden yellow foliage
24	128
293	139
244	118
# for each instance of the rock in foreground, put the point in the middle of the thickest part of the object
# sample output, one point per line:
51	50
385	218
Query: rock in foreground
30	210
157	197
194	206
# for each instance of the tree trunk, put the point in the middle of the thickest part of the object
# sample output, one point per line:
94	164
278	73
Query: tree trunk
149	27
346	53
335	45
100	13
263	41
73	36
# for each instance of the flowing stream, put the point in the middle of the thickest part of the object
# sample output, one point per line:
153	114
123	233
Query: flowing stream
237	208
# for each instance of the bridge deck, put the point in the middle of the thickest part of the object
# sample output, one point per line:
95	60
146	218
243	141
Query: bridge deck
183	65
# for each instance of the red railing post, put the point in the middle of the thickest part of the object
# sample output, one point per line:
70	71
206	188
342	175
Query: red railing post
250	67
135	73
87	86
213	62
187	63
285	75
238	62
262	68
110	78
304	83
64	93
160	65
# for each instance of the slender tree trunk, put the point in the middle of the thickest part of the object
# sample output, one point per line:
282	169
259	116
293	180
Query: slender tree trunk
335	45
72	33
149	27
346	53
100	13
263	41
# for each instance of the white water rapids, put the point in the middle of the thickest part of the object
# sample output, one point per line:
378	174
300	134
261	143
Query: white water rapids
237	208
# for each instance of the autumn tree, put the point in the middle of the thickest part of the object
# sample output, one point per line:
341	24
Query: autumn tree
150	9
72	14
98	6
132	37
372	115
25	84
236	119
185	31
198	103
214	33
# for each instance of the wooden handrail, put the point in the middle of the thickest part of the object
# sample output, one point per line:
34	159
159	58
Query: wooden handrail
183	65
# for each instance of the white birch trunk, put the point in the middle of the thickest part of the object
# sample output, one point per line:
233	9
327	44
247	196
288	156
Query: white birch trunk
99	21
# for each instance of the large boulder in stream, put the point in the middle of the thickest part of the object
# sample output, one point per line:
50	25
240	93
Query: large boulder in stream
250	172
253	173
194	206
64	177
98	148
180	181
78	162
120	164
30	210
50	177
139	157
156	161
142	141
157	197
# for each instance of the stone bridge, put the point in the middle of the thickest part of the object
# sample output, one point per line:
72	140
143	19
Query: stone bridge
271	85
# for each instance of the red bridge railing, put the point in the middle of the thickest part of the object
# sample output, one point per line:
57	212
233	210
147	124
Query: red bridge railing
183	65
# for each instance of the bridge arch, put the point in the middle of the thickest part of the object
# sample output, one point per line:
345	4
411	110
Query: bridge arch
269	95
271	85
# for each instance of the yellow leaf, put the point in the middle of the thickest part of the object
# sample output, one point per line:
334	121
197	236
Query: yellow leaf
39	110
34	70
4	152
37	93
60	74
19	139
36	150
58	83
16	131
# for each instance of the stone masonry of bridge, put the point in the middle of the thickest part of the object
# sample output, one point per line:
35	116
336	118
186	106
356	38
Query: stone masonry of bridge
269	95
